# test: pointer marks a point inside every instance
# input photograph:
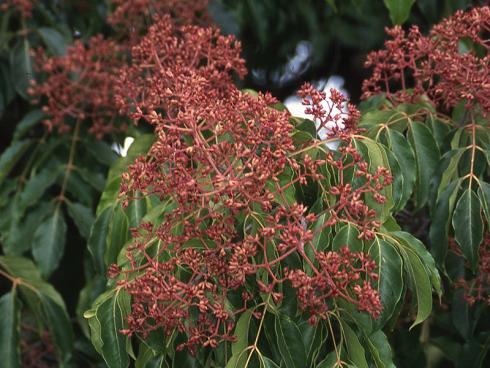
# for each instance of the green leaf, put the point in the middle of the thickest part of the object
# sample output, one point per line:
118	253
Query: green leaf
21	67
413	243
239	349
118	235
347	236
241	332
380	349
427	156
10	330
106	319
419	284
136	211
468	226
101	151
355	350
82	216
406	158
97	242
439	228
20	234
390	284
27	123
54	40
10	156
36	186
399	10
44	301
484	195
49	242
376	157
289	342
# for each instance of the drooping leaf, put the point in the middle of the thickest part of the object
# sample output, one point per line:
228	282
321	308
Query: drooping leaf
21	67
406	158
416	245
27	123
118	235
399	10
97	242
43	301
10	156
390	270
82	216
441	218
289	342
355	350
106	319
54	40
468	226
10	330
427	157
380	349
49	242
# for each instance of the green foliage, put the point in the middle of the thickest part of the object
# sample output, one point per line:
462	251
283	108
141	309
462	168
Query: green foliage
63	223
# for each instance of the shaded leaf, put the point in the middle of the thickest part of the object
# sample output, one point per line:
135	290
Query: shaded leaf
468	226
10	330
82	216
49	242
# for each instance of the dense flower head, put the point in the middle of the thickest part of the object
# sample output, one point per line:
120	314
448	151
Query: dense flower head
23	6
224	168
449	65
79	86
132	17
173	64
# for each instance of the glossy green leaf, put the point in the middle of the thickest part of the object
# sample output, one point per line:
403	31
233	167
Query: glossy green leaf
380	349
441	218
97	242
419	283
118	235
416	245
427	157
347	236
468	226
484	195
21	67
406	158
10	156
49	242
241	332
82	216
54	40
399	10
289	342
355	350
29	120
106	319
136	211
390	270
44	302
36	186
10	330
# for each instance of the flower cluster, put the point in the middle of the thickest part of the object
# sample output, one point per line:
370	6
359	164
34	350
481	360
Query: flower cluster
449	65
23	6
79	86
132	17
225	167
173	65
477	289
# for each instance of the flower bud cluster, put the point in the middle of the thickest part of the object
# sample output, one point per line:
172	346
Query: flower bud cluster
225	168
449	65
